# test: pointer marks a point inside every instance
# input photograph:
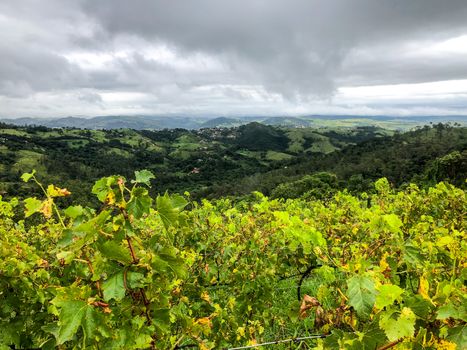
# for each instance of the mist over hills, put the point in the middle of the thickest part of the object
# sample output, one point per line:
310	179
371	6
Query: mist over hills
199	122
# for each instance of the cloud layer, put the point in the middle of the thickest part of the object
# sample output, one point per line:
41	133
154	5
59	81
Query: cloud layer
221	57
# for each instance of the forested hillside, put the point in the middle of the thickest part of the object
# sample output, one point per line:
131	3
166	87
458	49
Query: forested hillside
183	160
232	161
424	156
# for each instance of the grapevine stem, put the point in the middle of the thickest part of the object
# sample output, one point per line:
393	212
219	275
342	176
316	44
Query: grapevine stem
59	216
98	284
376	245
125	272
176	345
40	185
390	345
454	270
135	261
128	239
342	294
132	250
305	275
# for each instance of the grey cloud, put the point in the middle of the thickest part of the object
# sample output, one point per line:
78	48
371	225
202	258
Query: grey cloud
389	70
34	69
294	47
90	97
303	50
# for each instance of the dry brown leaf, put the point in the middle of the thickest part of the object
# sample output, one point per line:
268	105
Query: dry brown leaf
308	303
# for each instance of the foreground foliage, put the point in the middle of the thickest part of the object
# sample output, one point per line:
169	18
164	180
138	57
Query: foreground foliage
389	270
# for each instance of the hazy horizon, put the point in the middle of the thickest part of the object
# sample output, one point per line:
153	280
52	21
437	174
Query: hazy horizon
89	58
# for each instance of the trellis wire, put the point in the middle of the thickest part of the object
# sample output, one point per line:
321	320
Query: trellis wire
295	340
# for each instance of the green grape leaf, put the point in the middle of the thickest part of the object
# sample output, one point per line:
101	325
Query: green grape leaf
74	211
166	259
32	205
361	292
114	251
332	340
103	189
419	339
420	306
73	315
135	280
412	254
28	176
84	233
144	177
458	335
114	287
91	322
52	328
370	339
169	208
10	335
142	341
396	328
387	294
373	337
393	222
140	202
449	310
162	318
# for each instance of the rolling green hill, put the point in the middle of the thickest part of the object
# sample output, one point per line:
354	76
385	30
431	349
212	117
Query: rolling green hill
219	161
157	122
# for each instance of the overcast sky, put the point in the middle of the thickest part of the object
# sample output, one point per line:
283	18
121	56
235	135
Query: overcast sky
232	57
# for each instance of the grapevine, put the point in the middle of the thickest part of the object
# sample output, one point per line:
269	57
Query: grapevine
373	271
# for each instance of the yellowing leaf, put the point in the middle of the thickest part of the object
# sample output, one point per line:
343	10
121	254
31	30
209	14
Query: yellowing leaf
240	332
444	241
110	198
393	222
46	208
424	288
54	191
383	263
205	297
204	321
231	303
445	345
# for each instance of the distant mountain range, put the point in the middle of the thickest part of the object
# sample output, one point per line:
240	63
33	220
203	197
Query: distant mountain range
185	122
